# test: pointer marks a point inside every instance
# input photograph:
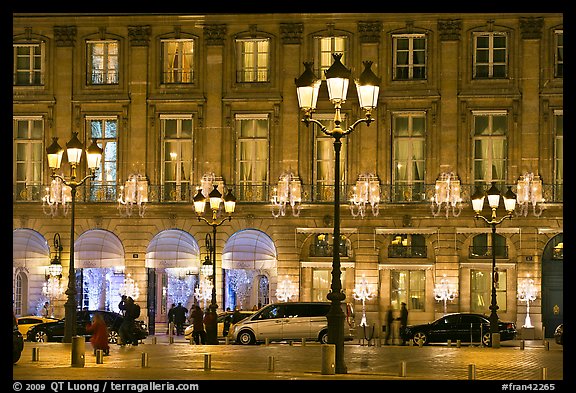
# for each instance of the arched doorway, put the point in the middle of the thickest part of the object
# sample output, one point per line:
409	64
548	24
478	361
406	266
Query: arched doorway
552	284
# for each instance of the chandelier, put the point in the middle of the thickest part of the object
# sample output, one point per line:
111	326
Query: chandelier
363	292
447	195
289	191
52	288
286	290
57	194
443	291
529	192
365	192
203	292
527	292
134	192
129	287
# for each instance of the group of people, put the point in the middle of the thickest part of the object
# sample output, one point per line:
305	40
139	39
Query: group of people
403	318
177	317
131	311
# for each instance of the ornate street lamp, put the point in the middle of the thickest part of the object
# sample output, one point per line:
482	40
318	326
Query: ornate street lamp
307	87
215	199
93	157
509	198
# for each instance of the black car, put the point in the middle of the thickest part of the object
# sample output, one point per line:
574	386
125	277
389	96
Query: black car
54	331
17	341
466	327
559	334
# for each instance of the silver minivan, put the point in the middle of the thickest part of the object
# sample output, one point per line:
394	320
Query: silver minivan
286	321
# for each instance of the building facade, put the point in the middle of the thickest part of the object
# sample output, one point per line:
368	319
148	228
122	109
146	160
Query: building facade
181	102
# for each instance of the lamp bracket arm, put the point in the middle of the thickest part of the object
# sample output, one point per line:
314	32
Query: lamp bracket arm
323	128
366	120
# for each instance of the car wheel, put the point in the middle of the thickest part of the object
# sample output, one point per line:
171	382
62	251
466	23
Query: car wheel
246	337
41	336
420	337
113	337
323	337
16	353
486	339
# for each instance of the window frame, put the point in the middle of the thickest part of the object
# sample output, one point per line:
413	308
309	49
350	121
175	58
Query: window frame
395	293
501	293
338	43
324	188
179	72
31	167
558	53
490	63
182	188
31	71
410	66
110	75
103	189
490	139
243	71
558	155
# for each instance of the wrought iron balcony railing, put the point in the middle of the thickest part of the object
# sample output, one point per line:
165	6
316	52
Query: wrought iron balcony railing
399	251
485	252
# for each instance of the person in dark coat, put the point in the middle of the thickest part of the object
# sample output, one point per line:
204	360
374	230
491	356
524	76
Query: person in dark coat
99	332
171	319
198	332
403	322
179	318
227	322
126	328
236	317
388	326
122	305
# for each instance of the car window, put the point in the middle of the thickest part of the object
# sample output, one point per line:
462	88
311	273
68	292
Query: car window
318	310
28	321
472	319
448	320
297	310
272	312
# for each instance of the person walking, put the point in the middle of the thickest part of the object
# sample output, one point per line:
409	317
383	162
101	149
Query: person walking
227	322
403	322
198	332
236	317
99	332
126	328
179	318
122	305
171	320
46	310
388	326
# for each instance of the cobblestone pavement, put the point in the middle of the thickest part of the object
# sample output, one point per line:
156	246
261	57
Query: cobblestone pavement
161	360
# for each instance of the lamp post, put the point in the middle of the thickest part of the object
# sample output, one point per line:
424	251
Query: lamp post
93	157
493	195
215	199
308	86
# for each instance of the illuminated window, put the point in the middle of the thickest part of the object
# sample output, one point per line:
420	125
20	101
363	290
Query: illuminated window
409	56
28	69
253	60
103	63
178	61
481	291
408	286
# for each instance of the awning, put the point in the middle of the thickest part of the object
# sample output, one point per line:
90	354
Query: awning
98	248
29	248
249	249
173	248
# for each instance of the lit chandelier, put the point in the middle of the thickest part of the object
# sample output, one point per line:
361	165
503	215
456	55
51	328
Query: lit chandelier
527	292
52	288
365	192
443	291
129	287
363	292
289	191
203	292
57	194
529	192
134	192
286	290
447	195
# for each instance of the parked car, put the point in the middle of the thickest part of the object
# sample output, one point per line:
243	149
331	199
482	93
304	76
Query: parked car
559	334
221	316
466	327
54	331
287	321
26	322
17	341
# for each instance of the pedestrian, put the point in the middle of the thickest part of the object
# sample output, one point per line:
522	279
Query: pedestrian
179	318
388	326
403	322
122	305
171	320
198	332
227	322
127	326
236	317
99	332
46	310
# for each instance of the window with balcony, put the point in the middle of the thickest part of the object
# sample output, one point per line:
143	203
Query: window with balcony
407	246
409	57
177	157
28	157
29	63
252	156
324	160
103	62
105	131
490	55
324	47
178	61
322	246
408	156
481	290
489	134
559	155
253	62
482	246
408	286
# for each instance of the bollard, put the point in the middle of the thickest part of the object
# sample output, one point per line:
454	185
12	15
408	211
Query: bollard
35	354
266	341
449	343
290	342
544	374
144	362
403	368
458	343
495	340
547	345
411	343
420	343
99	356
207	362
521	344
170	340
328	359
543	335
471	371
379	342
271	362
303	342
154	340
227	340
78	351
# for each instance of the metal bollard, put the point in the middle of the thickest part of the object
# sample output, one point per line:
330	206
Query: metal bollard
544	374
154	340
144	362
378	342
35	354
420	343
207	362
271	363
99	356
303	342
170	339
78	351
547	345
403	368
471	371
458	343
266	341
290	342
449	343
328	359
522	344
